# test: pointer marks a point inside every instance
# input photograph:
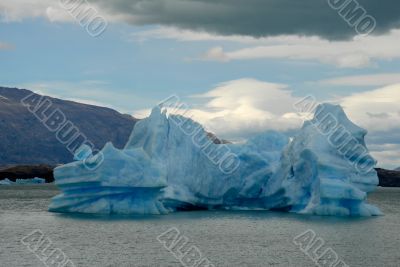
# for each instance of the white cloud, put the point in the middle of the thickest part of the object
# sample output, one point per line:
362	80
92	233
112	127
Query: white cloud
386	154
163	32
192	36
246	106
5	46
240	108
357	53
57	14
81	92
92	92
364	80
11	10
216	53
375	110
378	111
21	9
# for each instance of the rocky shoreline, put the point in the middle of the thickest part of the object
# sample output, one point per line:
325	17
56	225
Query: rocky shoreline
387	178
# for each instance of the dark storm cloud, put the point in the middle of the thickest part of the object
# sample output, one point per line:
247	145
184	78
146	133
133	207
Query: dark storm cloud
254	17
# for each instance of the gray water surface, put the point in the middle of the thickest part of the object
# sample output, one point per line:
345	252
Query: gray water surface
251	238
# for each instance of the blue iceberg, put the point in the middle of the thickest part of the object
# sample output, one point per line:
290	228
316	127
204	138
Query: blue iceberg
171	164
35	180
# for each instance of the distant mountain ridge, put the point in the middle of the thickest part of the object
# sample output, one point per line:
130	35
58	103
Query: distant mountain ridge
25	140
398	169
388	178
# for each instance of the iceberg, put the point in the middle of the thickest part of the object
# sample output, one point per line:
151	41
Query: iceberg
6	182
171	164
35	180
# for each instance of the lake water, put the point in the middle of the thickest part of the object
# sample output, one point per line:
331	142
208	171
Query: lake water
255	238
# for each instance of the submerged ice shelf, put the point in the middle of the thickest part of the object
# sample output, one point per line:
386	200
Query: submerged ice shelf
170	164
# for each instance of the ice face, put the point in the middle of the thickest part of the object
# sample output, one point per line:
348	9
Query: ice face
326	169
170	164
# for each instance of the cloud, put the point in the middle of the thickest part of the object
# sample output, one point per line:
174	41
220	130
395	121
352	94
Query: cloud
243	107
382	115
256	18
92	92
216	53
19	10
356	53
6	46
364	80
377	111
240	108
182	35
252	17
387	155
11	11
382	103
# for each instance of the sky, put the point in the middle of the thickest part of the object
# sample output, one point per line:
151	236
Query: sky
239	65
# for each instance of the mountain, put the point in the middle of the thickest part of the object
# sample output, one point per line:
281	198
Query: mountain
24	139
27	172
388	178
398	169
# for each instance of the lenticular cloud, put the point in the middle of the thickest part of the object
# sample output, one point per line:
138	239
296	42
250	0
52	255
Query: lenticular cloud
170	164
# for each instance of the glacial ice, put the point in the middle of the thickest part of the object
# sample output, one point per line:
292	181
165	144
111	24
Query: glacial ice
170	164
35	180
6	182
